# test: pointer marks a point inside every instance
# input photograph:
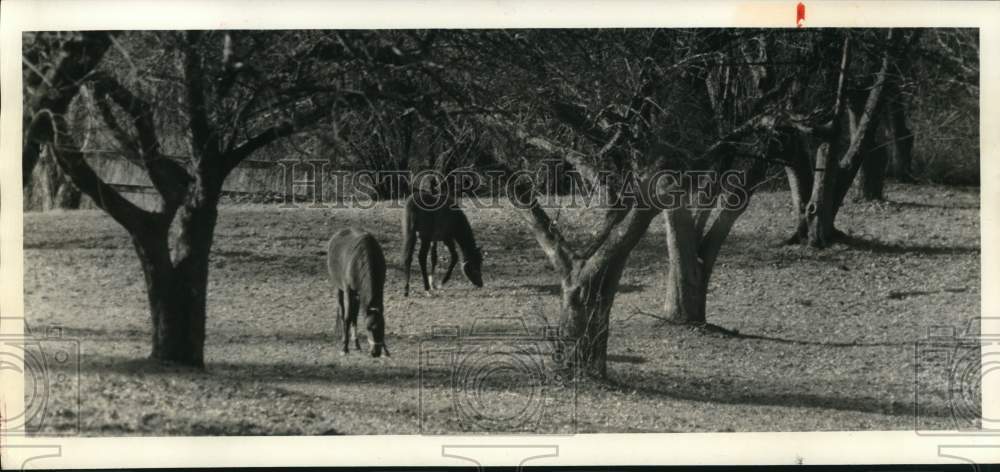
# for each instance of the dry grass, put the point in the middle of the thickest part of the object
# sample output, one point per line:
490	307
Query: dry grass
825	339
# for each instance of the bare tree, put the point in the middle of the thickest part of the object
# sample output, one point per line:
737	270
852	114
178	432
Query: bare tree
820	185
623	109
215	98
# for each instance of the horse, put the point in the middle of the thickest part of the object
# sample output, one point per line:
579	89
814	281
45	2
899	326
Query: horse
434	218
356	266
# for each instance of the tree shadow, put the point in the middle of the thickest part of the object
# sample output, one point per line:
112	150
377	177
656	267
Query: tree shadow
903	204
376	373
556	289
368	372
726	332
749	392
98	335
894	295
626	359
888	248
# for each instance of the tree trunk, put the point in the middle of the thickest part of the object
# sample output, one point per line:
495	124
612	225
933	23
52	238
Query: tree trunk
177	282
588	293
800	181
900	146
871	178
819	211
686	282
899	137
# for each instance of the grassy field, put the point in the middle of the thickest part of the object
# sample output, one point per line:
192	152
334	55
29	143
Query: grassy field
825	338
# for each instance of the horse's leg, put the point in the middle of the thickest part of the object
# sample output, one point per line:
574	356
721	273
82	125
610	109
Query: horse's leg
434	263
344	300
422	259
409	239
352	317
359	308
451	262
354	334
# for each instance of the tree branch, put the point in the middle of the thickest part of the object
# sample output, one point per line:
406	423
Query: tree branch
851	161
711	243
204	148
134	219
168	177
555	246
233	157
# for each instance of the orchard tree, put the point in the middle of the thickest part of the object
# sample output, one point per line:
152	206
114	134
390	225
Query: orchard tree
630	113
187	108
831	123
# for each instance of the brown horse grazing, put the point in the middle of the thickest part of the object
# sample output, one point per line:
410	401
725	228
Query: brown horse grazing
426	216
356	265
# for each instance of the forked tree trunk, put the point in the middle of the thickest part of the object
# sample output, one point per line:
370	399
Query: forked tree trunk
589	280
693	250
835	168
177	282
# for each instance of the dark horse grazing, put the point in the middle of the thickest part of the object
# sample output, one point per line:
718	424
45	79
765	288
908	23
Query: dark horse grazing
425	216
356	265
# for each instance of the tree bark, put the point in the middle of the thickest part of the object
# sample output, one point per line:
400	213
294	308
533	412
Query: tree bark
686	281
177	280
819	210
693	252
588	293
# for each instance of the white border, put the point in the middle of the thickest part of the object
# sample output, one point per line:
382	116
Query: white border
597	449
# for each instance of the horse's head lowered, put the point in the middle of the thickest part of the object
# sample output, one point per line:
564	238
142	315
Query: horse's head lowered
375	324
472	267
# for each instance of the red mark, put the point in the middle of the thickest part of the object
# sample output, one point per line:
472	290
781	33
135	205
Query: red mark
800	15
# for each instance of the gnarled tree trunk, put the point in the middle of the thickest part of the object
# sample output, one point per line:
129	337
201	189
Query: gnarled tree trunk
588	292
